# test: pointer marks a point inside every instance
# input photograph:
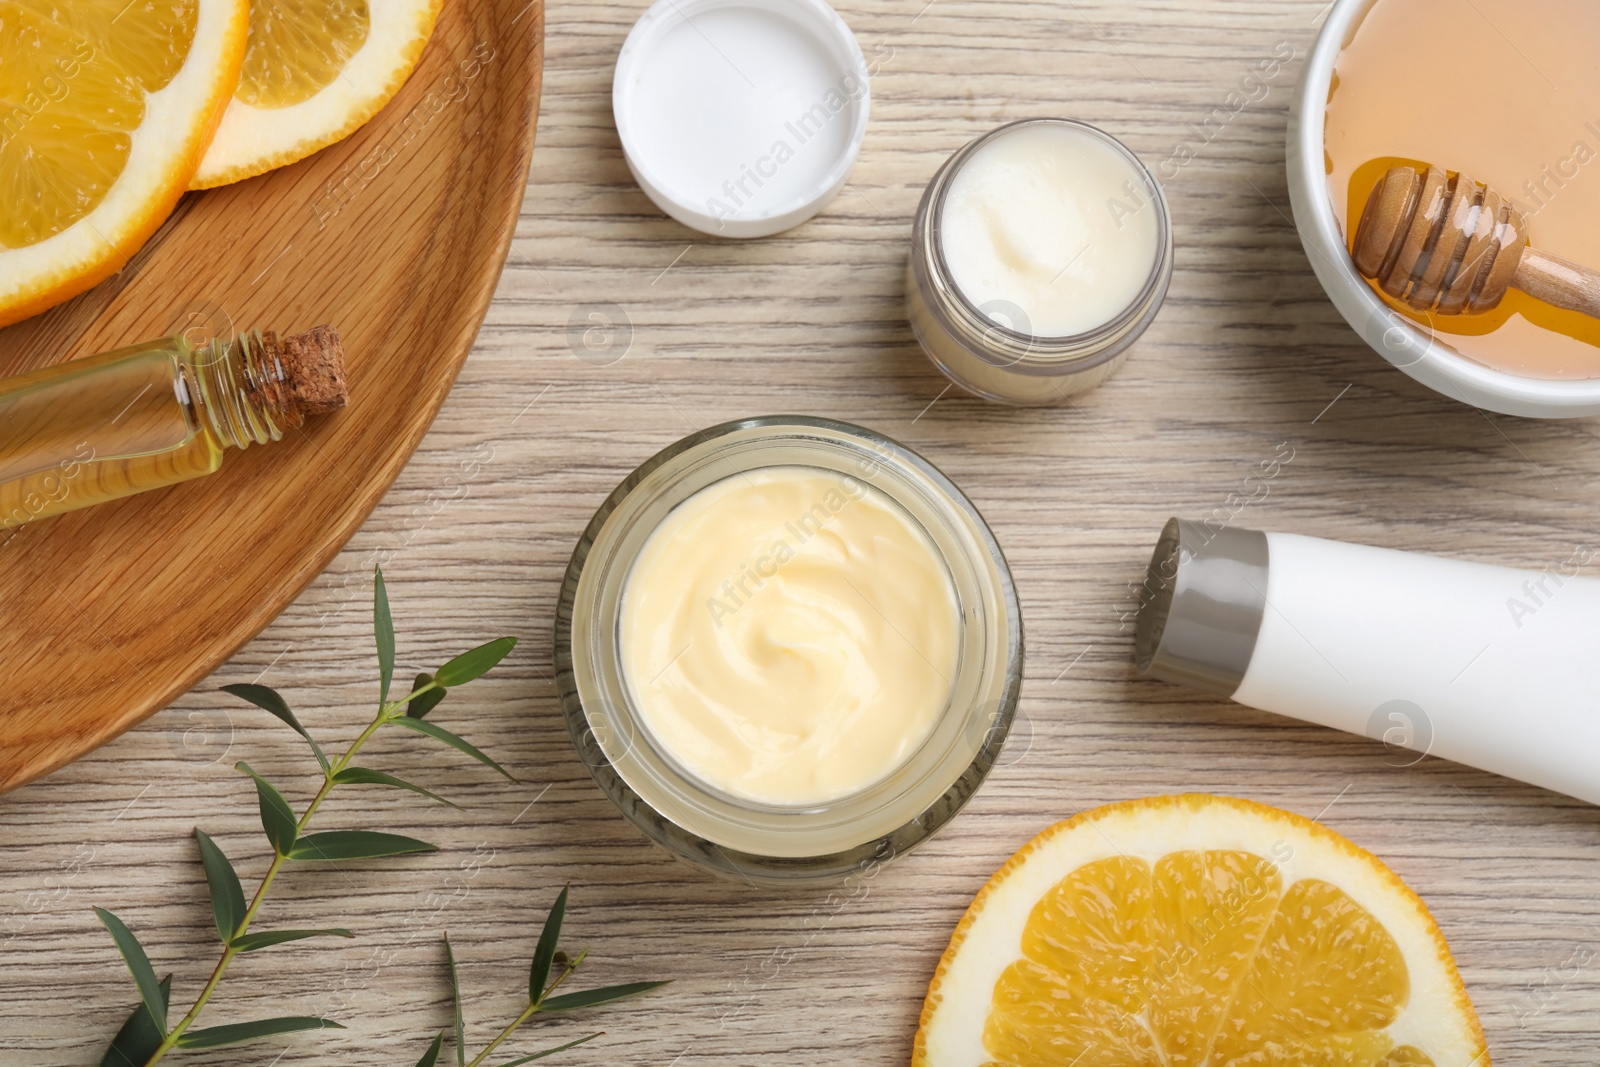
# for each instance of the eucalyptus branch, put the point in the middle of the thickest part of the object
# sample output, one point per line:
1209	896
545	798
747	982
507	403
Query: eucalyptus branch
146	1037
547	955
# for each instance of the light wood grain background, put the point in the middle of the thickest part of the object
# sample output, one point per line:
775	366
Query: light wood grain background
1247	354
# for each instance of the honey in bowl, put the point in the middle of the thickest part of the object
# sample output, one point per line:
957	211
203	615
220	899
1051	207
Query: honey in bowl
1507	92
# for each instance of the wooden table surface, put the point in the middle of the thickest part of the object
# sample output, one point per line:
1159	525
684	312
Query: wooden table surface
1248	358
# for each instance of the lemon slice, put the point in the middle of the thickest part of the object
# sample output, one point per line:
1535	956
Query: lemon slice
106	107
1196	930
314	72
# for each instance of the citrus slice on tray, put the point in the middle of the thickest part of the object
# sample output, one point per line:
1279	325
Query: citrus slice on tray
1196	930
314	72
106	107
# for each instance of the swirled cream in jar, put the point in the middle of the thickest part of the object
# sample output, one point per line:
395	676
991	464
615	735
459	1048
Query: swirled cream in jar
1049	230
789	635
1041	252
788	649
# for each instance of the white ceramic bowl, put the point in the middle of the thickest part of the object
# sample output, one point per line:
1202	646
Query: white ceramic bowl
1428	359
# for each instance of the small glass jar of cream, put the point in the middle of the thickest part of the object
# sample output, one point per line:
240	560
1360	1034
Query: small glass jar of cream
1041	252
788	649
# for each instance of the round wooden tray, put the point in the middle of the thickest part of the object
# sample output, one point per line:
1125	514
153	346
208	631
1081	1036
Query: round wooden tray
396	236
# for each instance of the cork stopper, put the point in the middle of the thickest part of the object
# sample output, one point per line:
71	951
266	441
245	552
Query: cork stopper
308	368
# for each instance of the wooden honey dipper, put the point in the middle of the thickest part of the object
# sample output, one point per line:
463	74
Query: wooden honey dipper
1450	244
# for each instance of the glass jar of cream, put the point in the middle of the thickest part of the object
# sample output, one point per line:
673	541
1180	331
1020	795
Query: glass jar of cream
788	649
1041	252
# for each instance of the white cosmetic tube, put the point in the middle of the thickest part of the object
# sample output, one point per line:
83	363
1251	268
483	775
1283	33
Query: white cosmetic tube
1494	667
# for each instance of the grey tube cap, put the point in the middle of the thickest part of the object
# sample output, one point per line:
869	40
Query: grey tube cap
1204	599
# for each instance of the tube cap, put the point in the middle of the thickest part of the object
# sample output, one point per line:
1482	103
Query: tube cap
740	118
1205	596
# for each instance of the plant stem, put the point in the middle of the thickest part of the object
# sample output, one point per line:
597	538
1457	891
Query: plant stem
386	714
528	1012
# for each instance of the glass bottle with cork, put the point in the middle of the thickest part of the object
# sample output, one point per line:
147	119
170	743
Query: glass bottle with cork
154	414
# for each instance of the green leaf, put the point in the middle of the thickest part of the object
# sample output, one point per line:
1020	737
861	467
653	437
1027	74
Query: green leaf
548	1052
383	629
139	1037
431	1057
227	897
469	665
455	1001
267	699
356	845
268	938
277	818
144	976
439	733
238	1033
604	995
364	776
420	706
545	953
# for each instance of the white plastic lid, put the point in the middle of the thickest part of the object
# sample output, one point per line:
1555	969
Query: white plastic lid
740	118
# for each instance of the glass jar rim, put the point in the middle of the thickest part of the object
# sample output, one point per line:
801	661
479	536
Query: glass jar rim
939	188
624	758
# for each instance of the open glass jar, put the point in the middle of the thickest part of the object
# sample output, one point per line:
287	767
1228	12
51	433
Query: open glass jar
988	346
767	843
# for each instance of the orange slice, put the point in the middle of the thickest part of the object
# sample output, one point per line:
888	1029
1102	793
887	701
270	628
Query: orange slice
315	71
106	107
1196	931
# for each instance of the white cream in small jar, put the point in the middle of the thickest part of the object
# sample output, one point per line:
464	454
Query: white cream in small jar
1051	220
1042	251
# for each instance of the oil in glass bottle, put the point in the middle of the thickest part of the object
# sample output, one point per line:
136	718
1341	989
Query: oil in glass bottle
154	414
